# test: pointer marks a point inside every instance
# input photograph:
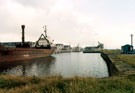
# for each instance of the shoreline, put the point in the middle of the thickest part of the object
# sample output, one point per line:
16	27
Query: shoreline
118	64
122	64
112	70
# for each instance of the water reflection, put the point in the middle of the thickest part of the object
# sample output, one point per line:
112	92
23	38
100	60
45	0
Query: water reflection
65	64
37	67
80	64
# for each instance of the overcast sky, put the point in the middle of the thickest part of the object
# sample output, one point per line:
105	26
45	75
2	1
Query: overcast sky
83	22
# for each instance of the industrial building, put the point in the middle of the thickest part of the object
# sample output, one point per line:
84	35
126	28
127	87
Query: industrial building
100	46
128	49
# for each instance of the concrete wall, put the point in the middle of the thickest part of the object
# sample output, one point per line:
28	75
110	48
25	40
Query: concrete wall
111	67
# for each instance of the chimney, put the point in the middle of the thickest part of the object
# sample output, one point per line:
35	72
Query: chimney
23	37
132	41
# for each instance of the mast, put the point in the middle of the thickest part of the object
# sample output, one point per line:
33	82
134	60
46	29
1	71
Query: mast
45	30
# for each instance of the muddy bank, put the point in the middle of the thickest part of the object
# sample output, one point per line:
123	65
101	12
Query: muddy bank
119	64
112	70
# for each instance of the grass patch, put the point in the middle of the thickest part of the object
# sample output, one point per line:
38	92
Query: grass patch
131	77
67	85
4	83
35	80
130	59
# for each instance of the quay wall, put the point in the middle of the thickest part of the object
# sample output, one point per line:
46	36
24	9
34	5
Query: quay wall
112	70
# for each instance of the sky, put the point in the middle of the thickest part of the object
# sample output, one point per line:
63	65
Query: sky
83	22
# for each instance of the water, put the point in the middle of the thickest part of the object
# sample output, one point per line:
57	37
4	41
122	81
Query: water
65	64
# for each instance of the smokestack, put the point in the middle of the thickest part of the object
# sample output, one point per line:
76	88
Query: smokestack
132	41
23	37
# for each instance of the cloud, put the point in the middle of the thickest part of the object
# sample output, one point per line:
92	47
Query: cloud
37	3
64	24
79	21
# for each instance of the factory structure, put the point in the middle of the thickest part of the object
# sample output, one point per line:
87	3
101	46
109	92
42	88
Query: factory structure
128	48
99	47
61	48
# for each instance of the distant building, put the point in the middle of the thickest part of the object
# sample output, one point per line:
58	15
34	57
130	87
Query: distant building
59	46
127	49
67	47
91	48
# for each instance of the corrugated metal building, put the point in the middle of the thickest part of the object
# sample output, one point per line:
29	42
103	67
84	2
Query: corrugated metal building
127	49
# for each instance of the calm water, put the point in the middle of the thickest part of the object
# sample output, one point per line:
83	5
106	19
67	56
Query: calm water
65	64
